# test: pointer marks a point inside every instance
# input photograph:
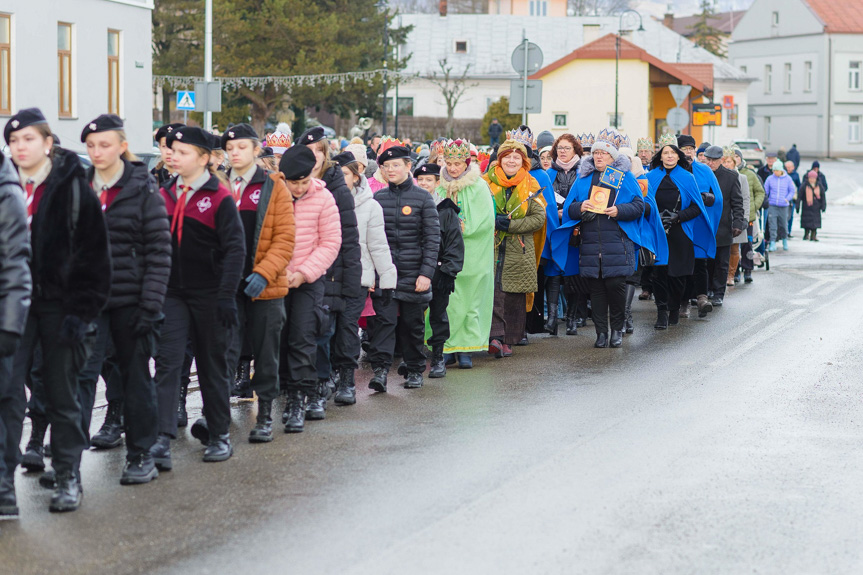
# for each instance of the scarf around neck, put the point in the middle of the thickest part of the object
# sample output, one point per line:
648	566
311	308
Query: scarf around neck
567	166
522	187
812	190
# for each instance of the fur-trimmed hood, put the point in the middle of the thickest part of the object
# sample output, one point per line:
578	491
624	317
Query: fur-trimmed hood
587	166
453	186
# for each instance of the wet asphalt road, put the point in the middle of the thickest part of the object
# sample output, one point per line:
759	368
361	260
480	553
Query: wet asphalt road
725	445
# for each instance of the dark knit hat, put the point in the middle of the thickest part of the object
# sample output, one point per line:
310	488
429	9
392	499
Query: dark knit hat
104	123
345	159
394	153
702	148
24	118
297	163
167	129
238	132
684	140
190	135
311	136
427	170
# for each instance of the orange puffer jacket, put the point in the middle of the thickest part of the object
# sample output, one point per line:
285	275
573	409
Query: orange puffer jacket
275	242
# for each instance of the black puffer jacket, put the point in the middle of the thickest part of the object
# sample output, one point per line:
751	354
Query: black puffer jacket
71	259
413	232
563	180
450	257
15	283
344	277
140	238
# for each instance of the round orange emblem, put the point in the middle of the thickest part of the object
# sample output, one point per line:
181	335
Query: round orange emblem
406	210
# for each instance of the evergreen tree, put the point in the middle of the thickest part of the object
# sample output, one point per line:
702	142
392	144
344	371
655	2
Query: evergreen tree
704	33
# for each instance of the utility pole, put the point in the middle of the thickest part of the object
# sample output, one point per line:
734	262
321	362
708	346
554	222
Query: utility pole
383	5
524	100
208	55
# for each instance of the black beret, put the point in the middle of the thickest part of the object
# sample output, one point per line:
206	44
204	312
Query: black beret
297	162
266	152
24	118
167	129
394	153
191	135
311	136
56	139
239	132
427	170
104	123
215	141
345	159
684	140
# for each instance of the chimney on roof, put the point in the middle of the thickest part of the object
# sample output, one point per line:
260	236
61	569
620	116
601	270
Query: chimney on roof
668	20
442	7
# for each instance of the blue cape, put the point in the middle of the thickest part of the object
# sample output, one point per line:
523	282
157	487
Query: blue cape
565	255
551	218
652	233
700	229
707	182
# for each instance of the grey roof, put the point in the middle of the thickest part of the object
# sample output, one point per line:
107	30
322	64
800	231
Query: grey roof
492	38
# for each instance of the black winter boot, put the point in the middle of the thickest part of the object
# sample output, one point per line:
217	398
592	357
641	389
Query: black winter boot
161	452
414	380
295	409
33	458
243	382
8	501
111	433
379	381
661	319
571	323
346	392
140	470
552	297
219	448
806	234
814	236
316	407
263	430
182	416
628	325
437	369
67	494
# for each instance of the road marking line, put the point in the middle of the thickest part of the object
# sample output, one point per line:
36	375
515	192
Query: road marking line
812	287
831	288
762	336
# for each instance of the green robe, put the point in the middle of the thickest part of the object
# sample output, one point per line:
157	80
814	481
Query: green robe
470	305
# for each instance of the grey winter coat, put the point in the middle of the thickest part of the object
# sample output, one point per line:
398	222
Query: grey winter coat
15	282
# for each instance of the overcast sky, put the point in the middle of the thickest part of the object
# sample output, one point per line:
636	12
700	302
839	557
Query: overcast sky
687	7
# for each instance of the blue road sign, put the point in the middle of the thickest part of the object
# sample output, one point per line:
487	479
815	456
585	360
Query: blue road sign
186	100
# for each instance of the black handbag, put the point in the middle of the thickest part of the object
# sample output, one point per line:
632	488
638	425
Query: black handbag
575	237
646	258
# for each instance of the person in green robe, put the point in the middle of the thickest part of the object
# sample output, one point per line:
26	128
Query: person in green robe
470	305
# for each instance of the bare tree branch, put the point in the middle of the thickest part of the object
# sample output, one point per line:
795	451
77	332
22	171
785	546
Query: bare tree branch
452	88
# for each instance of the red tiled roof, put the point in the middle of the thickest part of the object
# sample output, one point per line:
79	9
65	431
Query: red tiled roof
699	76
839	16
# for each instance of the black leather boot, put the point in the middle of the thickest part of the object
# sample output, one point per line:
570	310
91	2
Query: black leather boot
414	380
661	319
628	325
201	431
571	324
182	416
219	448
295	408
552	297
616	339
437	369
263	430
8	501
346	392
243	382
379	381
806	234
161	452
674	315
67	493
33	459
316	406
601	340
140	470
111	433
814	236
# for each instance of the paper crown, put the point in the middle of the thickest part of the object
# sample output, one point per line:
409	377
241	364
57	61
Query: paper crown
626	143
586	140
609	136
278	140
645	144
667	140
456	150
388	142
728	151
523	137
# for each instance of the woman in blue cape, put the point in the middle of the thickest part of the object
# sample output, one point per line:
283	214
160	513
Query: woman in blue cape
607	254
687	223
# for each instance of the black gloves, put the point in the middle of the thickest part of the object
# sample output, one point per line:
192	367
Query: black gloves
736	232
443	283
501	223
8	343
588	216
669	218
143	322
708	198
226	313
73	330
386	296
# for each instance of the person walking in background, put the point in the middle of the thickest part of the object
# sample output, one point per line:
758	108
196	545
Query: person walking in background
793	156
811	203
779	188
791	170
494	132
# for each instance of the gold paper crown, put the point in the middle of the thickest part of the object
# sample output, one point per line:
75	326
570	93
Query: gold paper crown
456	150
523	137
728	152
667	140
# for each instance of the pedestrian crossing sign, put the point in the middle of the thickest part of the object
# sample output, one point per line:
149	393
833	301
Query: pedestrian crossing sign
185	100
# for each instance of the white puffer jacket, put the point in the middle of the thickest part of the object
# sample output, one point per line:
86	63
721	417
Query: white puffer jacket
373	239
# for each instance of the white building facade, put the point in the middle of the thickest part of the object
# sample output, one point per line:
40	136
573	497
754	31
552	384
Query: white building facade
77	59
807	61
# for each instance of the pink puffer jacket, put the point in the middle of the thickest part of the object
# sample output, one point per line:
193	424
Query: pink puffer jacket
319	232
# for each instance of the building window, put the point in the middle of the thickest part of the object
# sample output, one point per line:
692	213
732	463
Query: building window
64	68
5	64
807	76
768	78
544	8
854	75
743	69
406	106
461	46
767	126
531	7
787	78
560	120
731	116
775	20
618	123
114	72
854	136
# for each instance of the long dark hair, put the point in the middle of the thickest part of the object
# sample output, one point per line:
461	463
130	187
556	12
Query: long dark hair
682	159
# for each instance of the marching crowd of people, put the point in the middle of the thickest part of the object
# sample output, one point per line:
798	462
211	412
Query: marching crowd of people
275	264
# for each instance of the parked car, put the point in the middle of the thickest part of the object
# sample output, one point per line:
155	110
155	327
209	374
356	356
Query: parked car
753	152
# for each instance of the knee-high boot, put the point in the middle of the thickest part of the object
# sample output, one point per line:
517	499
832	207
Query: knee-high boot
628	325
552	296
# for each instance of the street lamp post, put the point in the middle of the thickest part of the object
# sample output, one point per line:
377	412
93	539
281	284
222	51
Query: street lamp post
617	60
383	6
